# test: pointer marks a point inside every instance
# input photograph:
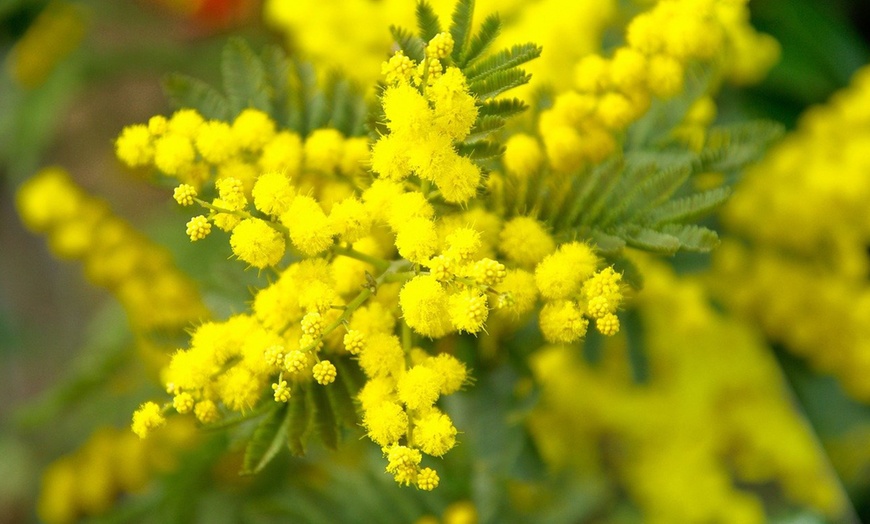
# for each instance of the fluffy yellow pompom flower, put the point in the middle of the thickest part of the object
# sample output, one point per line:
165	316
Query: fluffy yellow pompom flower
665	76
310	229
419	387
134	146
350	220
522	156
323	150
525	242
375	391
628	69
455	109
462	244
382	356
406	110
451	373
185	122
386	423
257	243
561	274
283	153
424	306
390	158
403	462
232	193
215	142
173	153
417	240
239	388
147	418
324	372
427	479
252	129
468	310
273	193
435	434
198	228
458	178
518	293
562	322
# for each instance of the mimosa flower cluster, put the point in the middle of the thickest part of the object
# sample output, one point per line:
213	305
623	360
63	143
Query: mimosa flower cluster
157	296
803	274
661	46
704	435
396	256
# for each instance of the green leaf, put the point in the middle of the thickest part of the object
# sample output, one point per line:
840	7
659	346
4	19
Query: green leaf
277	70
637	194
323	417
505	108
504	60
427	21
244	78
484	127
498	82
480	150
693	238
409	43
347	108
649	240
607	244
460	29
689	208
298	421
308	106
729	149
267	440
187	92
488	32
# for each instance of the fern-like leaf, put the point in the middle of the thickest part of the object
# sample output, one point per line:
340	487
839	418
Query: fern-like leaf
244	78
480	150
299	419
409	43
460	30
488	32
277	71
504	60
267	440
729	149
322	415
688	208
505	108
692	238
485	126
427	21
649	239
184	91
498	82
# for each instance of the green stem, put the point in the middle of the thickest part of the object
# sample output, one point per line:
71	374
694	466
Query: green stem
379	263
281	228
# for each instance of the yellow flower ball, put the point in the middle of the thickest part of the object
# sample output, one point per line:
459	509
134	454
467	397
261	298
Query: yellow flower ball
257	243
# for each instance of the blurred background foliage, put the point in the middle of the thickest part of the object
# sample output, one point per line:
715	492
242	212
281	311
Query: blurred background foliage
59	336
